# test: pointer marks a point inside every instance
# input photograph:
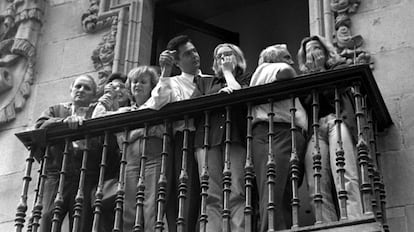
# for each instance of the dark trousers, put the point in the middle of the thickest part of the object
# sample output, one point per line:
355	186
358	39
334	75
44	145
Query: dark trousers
192	201
282	148
70	189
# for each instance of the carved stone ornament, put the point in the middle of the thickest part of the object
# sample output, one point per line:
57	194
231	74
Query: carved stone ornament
103	57
348	45
20	23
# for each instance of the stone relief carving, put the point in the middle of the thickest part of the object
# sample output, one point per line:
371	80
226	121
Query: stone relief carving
92	21
103	56
348	45
118	50
20	25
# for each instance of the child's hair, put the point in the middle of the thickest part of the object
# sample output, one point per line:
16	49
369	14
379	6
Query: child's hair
142	70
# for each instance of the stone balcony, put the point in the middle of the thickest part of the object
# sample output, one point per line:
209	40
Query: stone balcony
371	117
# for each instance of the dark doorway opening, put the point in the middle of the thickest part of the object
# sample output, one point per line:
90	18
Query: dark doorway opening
250	24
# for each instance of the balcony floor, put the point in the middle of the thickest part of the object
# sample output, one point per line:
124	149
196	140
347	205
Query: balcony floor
365	224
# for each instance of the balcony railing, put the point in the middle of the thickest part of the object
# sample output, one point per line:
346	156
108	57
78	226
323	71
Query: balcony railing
371	116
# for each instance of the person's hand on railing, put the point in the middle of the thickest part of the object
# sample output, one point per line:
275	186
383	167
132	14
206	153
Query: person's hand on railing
167	62
226	89
73	121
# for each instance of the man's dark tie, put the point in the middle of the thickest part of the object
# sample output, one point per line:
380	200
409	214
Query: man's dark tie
197	91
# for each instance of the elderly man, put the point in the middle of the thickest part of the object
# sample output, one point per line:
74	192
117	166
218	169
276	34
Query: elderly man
181	53
82	91
274	65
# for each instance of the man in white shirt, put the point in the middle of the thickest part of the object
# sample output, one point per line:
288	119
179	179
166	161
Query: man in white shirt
274	65
181	53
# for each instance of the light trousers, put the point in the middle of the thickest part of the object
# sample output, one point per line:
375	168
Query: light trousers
215	161
152	174
330	182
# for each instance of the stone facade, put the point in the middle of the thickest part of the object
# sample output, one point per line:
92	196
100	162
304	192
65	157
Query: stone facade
388	36
65	50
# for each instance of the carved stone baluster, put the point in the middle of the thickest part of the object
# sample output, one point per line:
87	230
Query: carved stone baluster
316	156
340	160
382	195
249	173
294	168
183	178
140	195
363	158
271	171
80	194
99	190
162	181
22	206
38	206
205	175
227	174
120	194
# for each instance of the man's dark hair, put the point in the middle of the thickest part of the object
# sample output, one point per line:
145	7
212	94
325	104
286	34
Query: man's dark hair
116	76
177	41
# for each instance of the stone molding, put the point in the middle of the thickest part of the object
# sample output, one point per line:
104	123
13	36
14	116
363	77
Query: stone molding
116	52
347	44
20	28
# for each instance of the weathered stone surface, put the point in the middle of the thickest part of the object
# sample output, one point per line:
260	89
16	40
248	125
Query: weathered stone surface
409	212
381	29
49	62
384	141
398	174
407	112
394	72
13	153
77	54
10	196
370	5
59	2
397	219
62	21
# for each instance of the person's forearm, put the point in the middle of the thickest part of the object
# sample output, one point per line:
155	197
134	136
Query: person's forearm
231	81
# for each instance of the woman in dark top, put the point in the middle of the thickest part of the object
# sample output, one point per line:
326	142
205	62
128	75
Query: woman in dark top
316	55
229	67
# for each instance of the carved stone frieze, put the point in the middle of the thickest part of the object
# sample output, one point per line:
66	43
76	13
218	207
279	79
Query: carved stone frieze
103	56
347	44
118	50
20	25
92	20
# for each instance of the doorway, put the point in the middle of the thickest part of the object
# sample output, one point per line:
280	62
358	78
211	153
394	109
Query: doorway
250	24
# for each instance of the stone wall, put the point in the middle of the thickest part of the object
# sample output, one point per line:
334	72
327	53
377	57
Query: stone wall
64	51
388	35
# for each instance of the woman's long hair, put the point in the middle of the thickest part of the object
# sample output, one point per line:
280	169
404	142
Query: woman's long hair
240	60
332	56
